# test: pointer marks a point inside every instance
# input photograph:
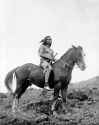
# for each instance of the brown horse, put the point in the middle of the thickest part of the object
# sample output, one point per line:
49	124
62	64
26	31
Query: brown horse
60	77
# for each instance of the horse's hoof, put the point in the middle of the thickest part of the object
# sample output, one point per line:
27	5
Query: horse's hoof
55	114
18	110
13	110
65	111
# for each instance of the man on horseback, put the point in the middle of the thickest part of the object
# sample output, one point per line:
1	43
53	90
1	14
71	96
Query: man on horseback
46	57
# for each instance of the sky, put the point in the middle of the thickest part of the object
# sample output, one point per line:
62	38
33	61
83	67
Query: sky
23	23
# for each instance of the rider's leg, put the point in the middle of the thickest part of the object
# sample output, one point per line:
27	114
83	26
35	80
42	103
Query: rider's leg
46	66
47	73
47	70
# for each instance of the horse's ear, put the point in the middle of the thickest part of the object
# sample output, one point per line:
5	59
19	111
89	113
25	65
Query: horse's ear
74	47
80	47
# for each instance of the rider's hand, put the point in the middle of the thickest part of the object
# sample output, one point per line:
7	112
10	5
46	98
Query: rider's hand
54	60
55	54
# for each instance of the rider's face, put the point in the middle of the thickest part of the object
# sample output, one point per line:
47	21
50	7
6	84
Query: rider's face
49	41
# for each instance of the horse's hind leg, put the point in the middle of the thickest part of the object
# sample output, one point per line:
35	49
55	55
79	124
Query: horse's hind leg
15	104
18	93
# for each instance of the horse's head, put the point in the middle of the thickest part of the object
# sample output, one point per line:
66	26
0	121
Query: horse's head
80	57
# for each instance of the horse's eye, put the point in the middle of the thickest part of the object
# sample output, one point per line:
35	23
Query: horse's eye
79	59
80	55
84	54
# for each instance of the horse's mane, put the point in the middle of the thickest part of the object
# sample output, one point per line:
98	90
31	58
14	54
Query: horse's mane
66	53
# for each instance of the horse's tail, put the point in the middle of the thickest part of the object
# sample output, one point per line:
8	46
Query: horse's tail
11	81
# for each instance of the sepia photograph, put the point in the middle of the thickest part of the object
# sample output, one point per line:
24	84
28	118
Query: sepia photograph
49	57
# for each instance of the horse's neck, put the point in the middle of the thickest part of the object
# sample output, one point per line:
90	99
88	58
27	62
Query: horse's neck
68	59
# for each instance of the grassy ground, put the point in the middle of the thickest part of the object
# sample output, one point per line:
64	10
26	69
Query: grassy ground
82	107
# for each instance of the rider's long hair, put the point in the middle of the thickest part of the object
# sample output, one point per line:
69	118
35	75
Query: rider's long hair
44	40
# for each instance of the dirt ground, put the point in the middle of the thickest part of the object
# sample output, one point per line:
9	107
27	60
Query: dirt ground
35	109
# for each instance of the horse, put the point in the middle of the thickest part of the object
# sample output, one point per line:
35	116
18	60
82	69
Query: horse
28	74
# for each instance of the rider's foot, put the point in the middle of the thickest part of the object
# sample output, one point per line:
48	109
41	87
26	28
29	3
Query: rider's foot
46	86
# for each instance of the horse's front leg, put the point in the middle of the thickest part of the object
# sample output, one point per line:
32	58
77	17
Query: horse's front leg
64	96
56	94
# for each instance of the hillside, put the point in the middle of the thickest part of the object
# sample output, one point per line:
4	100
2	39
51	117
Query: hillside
90	83
35	109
